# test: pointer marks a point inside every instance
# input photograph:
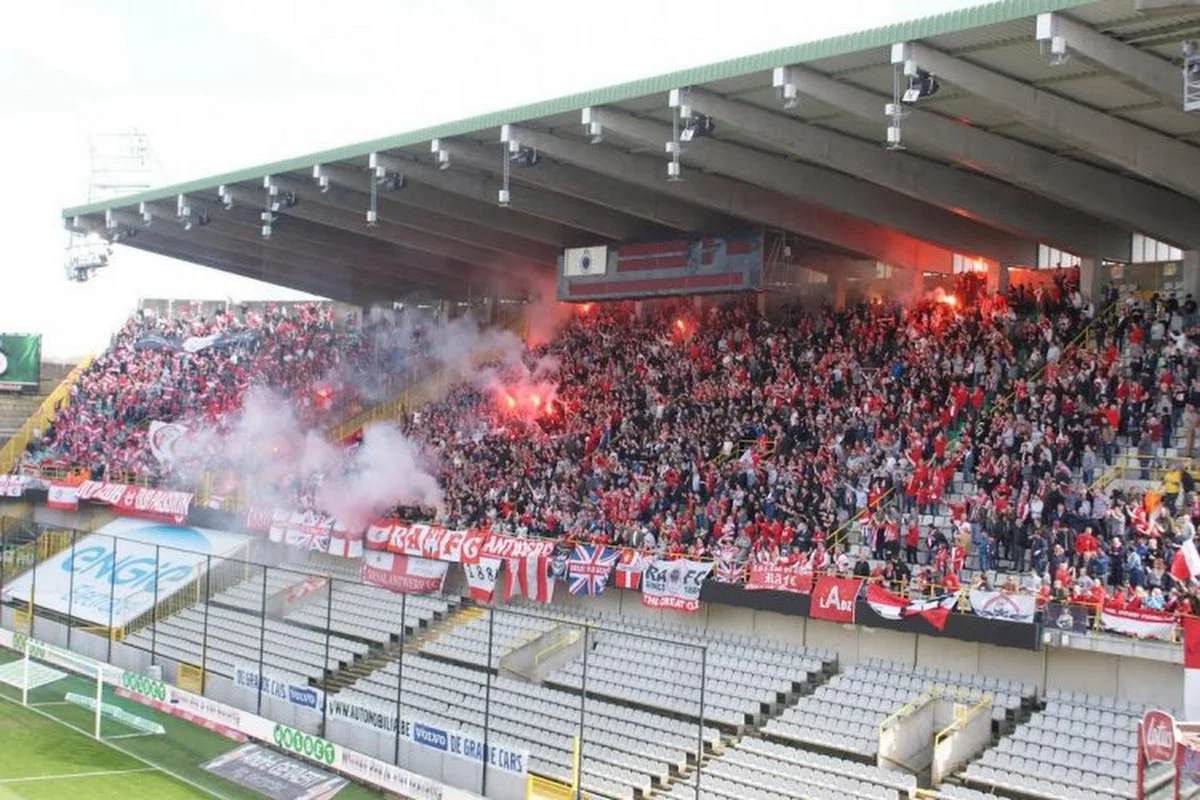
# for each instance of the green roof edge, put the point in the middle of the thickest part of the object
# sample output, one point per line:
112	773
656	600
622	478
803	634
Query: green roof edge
961	19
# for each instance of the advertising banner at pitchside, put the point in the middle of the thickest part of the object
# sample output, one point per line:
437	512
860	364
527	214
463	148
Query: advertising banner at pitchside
112	575
200	710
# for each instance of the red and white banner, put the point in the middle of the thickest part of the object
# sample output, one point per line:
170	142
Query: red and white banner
1144	624
674	584
161	505
889	605
314	532
427	541
1191	668
13	485
779	578
510	547
834	599
481	579
1004	605
630	567
530	576
403	574
1185	567
443	544
163	437
63	497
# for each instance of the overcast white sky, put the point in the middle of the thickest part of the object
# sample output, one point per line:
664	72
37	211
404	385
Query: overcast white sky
223	84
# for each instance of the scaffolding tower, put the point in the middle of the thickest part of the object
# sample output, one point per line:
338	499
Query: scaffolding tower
120	163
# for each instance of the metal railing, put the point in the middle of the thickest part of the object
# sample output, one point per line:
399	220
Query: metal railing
50	407
211	625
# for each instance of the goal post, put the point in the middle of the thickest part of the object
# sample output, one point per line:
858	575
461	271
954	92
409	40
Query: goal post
68	685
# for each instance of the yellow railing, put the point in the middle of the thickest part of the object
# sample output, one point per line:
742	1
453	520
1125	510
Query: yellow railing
984	702
40	418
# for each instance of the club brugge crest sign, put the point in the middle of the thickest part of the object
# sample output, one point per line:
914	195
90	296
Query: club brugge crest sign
585	265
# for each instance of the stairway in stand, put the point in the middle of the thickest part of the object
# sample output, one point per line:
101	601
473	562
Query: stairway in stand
16	407
340	679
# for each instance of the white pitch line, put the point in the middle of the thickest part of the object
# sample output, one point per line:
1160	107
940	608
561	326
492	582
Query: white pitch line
119	749
68	775
52	703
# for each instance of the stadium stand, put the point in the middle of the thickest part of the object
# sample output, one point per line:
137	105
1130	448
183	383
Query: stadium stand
1078	745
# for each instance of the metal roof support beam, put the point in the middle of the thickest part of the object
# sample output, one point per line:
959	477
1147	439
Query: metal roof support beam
356	198
991	201
1154	156
1141	68
830	189
295	237
503	265
315	266
759	206
593	188
425	194
348	288
572	221
1116	198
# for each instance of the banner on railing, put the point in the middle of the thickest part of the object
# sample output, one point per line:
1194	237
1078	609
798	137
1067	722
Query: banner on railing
1143	624
779	578
1068	618
13	485
314	532
588	569
481	579
249	677
62	497
404	574
674	585
161	505
1004	605
460	745
835	599
237	723
444	544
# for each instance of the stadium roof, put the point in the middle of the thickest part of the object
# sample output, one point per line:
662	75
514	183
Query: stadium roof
1074	140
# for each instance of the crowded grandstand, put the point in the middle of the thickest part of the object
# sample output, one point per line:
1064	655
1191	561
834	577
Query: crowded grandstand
710	487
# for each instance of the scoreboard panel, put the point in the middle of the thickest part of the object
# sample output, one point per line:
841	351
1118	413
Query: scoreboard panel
695	265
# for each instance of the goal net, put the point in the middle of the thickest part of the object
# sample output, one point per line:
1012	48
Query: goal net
70	688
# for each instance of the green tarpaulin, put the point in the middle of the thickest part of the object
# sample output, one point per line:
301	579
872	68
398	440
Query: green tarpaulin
20	359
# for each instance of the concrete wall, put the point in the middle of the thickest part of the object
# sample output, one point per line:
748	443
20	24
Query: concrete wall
1142	675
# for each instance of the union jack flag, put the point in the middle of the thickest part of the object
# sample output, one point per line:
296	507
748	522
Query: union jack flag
588	568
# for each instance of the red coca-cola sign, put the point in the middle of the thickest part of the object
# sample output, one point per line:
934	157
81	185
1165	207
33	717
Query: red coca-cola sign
1158	737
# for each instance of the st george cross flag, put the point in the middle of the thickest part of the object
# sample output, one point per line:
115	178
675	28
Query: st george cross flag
888	605
530	577
588	568
630	566
1191	668
1185	567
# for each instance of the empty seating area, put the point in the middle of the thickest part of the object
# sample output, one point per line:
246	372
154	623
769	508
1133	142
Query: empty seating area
235	637
746	678
468	643
845	713
755	769
624	749
1078	746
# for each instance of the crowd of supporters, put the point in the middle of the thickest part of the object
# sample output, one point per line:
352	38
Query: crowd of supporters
958	438
963	431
